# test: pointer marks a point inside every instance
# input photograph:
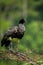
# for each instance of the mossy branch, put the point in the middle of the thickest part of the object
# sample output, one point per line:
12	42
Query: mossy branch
17	56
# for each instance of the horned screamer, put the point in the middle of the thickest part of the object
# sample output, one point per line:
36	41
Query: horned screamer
16	32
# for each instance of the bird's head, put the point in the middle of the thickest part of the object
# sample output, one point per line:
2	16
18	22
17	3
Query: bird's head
22	21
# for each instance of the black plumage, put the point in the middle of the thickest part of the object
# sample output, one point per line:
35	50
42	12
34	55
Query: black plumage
15	32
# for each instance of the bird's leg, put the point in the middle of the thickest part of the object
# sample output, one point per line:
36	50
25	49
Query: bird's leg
16	47
10	46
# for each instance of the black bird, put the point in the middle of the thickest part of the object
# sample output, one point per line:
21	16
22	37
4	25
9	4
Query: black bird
16	32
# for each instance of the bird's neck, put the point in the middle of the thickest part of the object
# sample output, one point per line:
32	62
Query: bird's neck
21	24
21	27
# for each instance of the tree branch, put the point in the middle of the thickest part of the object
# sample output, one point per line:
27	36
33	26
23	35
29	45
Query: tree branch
17	56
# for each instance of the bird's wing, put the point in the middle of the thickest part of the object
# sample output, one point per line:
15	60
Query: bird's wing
7	36
11	31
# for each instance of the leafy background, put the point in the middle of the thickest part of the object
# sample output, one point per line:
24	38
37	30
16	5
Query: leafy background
32	11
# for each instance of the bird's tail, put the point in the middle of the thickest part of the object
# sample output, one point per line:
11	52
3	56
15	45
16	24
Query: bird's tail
5	42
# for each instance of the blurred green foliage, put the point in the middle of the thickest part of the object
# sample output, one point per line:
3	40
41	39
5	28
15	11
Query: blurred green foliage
33	38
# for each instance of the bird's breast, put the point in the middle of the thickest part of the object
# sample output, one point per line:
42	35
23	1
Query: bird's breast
15	40
18	35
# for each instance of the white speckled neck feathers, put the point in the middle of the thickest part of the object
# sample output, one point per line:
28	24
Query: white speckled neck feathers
21	28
